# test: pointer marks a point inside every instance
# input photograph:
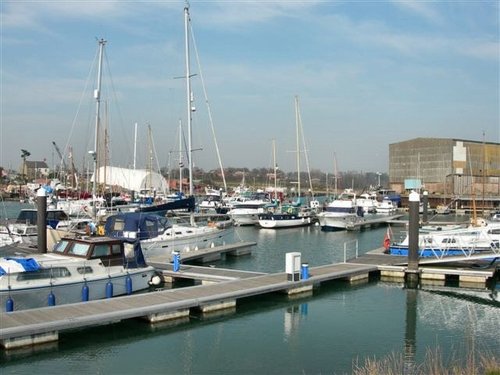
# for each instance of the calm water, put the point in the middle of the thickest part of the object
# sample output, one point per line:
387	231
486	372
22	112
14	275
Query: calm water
322	333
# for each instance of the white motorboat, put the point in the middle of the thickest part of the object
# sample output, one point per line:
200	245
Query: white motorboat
456	240
247	212
11	234
77	270
387	206
341	213
212	200
287	216
368	202
24	229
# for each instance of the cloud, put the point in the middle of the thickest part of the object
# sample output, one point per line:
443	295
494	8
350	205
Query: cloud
420	8
228	14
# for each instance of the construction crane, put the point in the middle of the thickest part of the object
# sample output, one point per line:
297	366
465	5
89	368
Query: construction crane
63	163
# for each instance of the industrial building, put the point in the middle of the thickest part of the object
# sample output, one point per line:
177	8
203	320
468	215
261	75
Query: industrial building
453	168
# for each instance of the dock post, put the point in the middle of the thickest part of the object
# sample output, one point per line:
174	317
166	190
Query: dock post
41	221
425	202
412	272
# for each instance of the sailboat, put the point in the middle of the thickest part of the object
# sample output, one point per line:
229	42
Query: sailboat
160	236
293	214
131	179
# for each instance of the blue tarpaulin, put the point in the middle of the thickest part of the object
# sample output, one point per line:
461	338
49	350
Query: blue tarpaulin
23	265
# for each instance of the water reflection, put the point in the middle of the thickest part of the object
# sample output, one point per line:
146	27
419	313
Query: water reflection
293	316
410	345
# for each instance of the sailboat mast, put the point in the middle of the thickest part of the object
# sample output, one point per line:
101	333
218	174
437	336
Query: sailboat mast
135	145
150	163
181	164
97	97
275	172
297	143
189	98
335	171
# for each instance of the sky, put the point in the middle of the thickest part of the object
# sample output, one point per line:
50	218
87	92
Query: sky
365	74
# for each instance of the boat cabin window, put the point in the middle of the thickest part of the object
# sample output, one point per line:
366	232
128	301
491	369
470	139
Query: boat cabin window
150	226
44	274
100	251
494	231
80	249
85	270
116	249
119	224
27	217
60	246
56	215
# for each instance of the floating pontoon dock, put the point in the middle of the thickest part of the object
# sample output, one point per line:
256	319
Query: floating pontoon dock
37	326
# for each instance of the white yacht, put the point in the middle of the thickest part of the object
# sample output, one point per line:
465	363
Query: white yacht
341	213
246	212
386	206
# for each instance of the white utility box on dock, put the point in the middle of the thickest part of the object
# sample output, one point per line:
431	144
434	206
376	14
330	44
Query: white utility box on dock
292	267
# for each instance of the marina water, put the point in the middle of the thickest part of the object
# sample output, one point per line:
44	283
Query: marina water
327	332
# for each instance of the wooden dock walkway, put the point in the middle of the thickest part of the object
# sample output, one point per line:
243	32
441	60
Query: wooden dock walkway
30	327
201	274
210	254
225	287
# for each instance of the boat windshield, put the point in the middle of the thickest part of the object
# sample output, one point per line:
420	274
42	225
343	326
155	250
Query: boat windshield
80	249
60	246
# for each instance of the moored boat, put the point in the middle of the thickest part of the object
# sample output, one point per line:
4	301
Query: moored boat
78	269
246	212
289	216
160	237
386	207
341	213
456	241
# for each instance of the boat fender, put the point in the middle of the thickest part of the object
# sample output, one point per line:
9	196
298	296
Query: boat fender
51	299
9	304
128	284
109	289
85	293
155	280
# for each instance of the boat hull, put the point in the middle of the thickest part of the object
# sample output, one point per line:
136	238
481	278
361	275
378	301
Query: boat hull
338	222
283	221
428	252
198	238
37	295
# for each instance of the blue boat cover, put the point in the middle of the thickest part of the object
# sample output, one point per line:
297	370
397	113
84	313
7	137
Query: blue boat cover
25	264
145	225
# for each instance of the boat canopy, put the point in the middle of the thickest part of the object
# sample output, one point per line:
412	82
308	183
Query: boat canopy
135	225
131	179
12	265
